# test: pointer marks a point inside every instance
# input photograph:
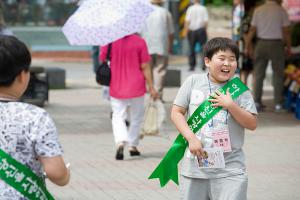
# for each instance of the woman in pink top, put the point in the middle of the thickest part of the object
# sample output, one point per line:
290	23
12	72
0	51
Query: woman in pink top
130	70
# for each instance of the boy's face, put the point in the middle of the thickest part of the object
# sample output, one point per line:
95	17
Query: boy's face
221	66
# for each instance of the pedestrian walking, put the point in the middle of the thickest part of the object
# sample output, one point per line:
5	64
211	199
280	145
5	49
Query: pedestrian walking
130	70
270	25
221	55
158	33
28	134
247	59
238	12
196	21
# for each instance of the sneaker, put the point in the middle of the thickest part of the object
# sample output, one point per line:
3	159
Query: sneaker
279	109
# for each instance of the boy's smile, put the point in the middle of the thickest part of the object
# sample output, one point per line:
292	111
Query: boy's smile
221	66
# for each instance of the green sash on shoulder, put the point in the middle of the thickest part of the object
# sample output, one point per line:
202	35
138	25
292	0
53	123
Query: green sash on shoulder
21	178
167	168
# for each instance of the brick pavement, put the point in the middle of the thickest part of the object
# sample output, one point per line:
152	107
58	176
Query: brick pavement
82	118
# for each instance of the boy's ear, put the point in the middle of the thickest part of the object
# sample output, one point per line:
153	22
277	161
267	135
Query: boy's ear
22	77
206	61
19	78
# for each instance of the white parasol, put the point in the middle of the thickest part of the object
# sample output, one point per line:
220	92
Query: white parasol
99	22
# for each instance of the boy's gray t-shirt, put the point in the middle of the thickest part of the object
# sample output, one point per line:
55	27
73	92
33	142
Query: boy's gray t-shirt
191	94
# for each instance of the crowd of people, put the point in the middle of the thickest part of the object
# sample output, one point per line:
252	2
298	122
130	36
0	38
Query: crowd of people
38	12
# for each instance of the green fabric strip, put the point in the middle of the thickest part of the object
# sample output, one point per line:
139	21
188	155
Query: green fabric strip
167	168
21	178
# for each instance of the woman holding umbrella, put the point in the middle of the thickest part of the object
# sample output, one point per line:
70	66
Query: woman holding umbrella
130	70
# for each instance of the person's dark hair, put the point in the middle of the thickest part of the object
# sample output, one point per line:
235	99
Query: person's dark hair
14	58
219	43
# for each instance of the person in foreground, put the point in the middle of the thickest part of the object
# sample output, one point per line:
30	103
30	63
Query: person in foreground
226	127
28	134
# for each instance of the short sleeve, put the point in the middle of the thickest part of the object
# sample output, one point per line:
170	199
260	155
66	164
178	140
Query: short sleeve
254	19
205	15
246	102
47	144
144	54
170	23
286	21
188	15
182	98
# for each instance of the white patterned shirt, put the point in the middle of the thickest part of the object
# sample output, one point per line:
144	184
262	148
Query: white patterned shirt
26	133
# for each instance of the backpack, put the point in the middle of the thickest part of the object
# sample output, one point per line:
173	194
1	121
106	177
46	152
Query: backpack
103	73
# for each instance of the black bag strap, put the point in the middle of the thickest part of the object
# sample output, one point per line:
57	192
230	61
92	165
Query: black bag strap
108	53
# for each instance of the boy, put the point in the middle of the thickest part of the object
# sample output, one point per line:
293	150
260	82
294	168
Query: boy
220	57
28	134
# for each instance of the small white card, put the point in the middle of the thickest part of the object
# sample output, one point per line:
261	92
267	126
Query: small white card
214	158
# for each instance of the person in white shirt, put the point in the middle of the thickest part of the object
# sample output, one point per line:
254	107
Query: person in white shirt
270	24
195	28
158	33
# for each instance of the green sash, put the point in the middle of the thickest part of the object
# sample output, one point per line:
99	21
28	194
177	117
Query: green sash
167	168
21	178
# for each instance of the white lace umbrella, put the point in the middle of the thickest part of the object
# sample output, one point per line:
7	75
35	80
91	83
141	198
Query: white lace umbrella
99	22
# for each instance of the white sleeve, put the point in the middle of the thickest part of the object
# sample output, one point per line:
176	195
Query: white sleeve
182	98
188	15
47	144
286	21
170	23
205	15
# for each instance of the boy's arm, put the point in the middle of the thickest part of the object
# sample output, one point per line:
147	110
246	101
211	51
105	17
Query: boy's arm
242	116
177	116
56	169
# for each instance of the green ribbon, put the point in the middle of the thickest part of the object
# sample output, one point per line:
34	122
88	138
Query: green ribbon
167	168
21	178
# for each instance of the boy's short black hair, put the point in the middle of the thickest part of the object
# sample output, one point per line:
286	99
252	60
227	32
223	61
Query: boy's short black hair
219	43
14	58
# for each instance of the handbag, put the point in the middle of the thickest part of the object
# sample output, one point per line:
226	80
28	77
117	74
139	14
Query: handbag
103	74
150	119
153	118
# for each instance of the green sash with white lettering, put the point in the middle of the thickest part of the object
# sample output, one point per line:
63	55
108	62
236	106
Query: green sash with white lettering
21	178
167	168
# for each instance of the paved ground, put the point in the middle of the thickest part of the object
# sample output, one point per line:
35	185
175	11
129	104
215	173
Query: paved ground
82	118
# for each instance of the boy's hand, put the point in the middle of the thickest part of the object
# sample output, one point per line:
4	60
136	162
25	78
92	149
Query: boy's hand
221	99
195	146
